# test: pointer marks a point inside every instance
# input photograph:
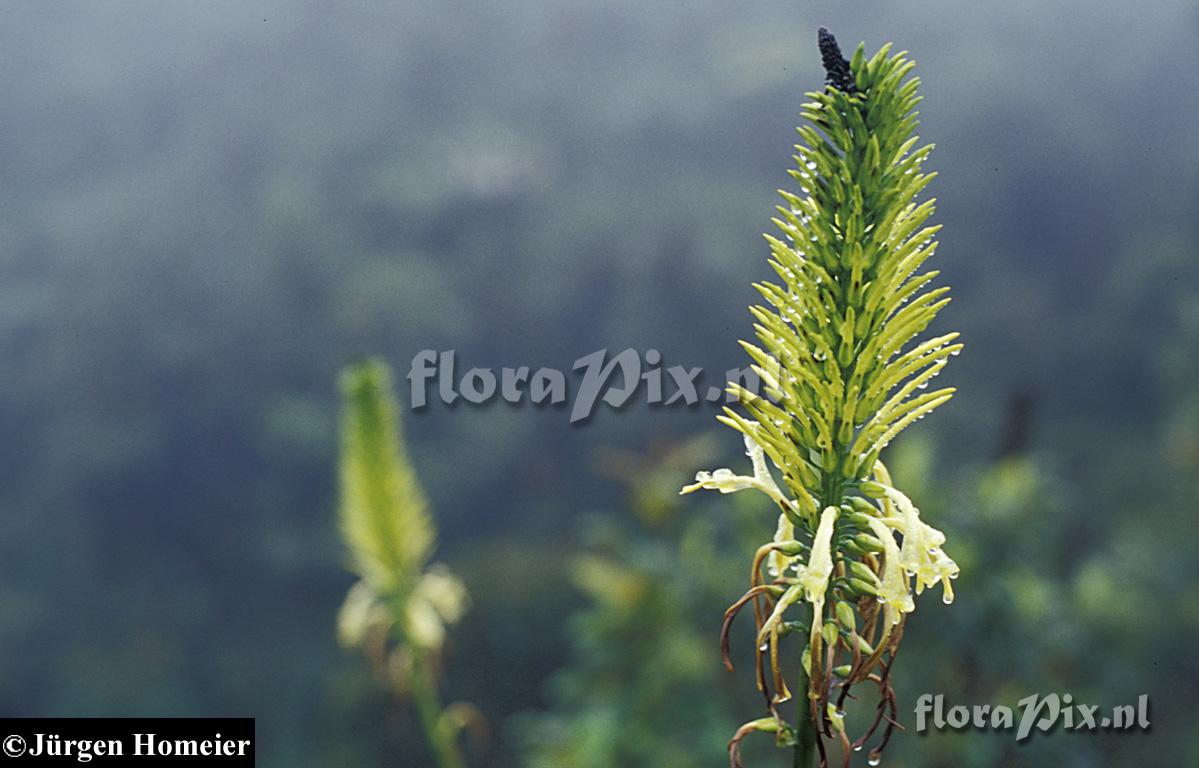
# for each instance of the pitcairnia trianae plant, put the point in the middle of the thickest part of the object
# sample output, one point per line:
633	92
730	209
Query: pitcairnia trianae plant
397	612
844	365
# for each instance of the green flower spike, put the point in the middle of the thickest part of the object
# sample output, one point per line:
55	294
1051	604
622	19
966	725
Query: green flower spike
845	367
398	610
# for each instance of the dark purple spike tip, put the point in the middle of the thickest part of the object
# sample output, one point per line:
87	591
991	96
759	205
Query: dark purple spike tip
838	74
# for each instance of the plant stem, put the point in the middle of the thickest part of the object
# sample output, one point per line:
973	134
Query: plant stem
805	729
428	705
805	743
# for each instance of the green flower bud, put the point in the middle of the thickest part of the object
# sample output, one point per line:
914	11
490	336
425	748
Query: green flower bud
845	616
864	587
790	548
863	506
872	489
836	717
862	571
850	546
868	542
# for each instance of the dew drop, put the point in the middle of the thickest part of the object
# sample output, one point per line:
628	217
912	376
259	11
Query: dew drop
874	761
947	598
764	647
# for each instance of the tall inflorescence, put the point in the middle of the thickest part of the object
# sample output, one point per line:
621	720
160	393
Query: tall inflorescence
398	611
845	365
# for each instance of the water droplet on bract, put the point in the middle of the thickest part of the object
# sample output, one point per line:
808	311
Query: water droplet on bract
858	748
947	598
840	713
764	647
922	385
881	599
953	575
874	761
811	165
955	353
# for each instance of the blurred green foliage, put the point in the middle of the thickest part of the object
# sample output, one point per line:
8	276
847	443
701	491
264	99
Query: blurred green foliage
640	686
1043	611
209	208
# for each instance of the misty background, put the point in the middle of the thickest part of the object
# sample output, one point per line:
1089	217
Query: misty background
208	208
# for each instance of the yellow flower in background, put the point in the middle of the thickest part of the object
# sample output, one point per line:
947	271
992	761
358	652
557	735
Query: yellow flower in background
398	610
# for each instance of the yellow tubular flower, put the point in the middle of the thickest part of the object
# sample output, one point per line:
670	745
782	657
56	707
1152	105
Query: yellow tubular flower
922	554
725	481
777	563
814	576
894	591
